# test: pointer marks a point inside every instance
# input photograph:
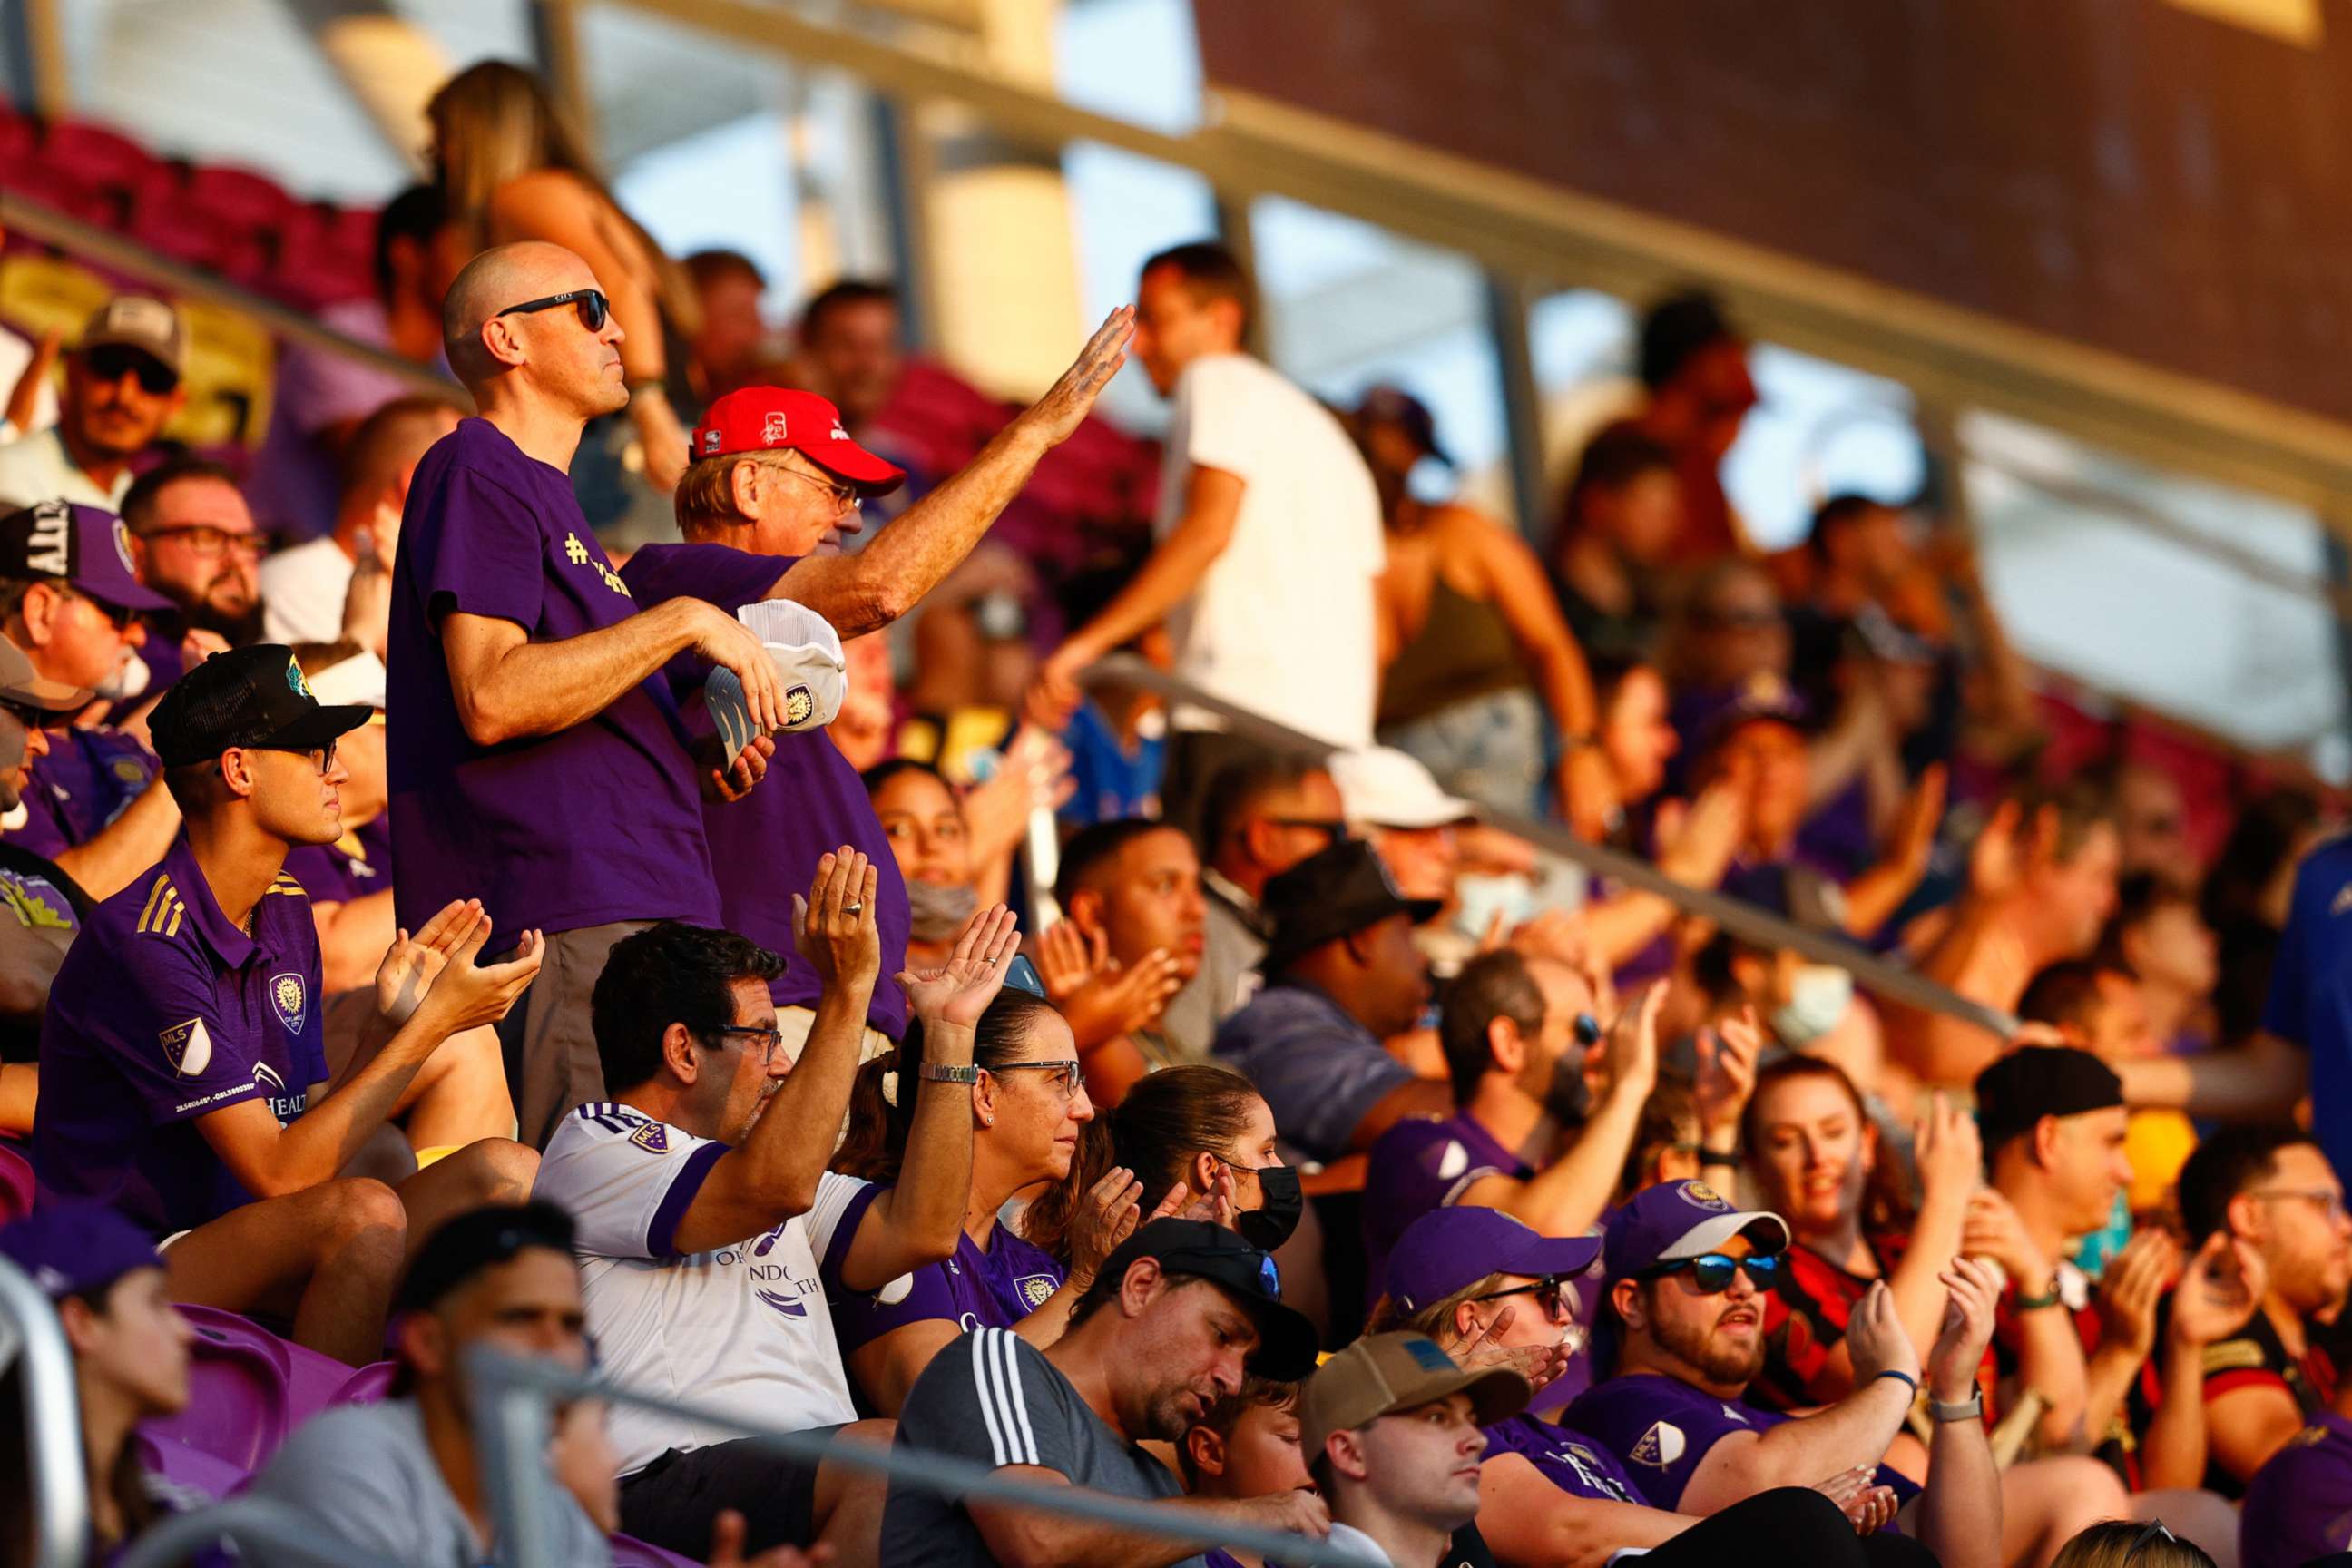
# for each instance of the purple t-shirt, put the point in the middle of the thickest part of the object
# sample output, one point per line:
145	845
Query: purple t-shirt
357	864
1573	1465
1421	1165
90	778
599	823
2299	1505
990	1287
162	1012
1661	1427
765	846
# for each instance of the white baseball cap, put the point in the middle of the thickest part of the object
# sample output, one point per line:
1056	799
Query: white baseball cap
806	652
360	678
1388	788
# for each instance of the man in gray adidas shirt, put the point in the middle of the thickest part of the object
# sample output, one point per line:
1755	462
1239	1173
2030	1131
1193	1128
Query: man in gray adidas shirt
1175	1317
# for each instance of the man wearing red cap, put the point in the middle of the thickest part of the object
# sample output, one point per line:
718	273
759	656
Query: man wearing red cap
773	480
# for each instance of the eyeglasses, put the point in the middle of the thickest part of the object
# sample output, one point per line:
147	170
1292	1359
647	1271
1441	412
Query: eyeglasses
204	540
112	361
595	309
1712	1271
116	615
842	496
1067	1076
1330	827
1588	1030
767	1039
1551	1294
322	760
2330	1201
30	717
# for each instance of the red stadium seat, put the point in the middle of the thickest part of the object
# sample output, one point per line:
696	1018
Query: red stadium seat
240	196
15	1184
100	158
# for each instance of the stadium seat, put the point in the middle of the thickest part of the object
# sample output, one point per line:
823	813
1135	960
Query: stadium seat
192	1468
369	1385
251	202
99	158
232	366
15	1184
45	293
240	1391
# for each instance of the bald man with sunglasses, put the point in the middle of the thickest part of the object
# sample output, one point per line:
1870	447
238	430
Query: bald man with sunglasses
538	760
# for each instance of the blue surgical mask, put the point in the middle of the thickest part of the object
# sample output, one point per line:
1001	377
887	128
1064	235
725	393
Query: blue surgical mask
1818	1000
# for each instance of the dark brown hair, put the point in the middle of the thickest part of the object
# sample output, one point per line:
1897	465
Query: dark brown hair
1886	1205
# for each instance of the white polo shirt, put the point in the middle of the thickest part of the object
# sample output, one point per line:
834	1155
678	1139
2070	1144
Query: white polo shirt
744	1329
36	468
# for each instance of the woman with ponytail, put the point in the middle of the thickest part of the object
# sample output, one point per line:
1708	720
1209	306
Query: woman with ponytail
1204	1131
1029	1112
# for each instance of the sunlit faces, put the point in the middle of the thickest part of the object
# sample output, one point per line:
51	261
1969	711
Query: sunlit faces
1032	1117
1813	1154
854	352
73	638
200	548
2296	1215
1187	1349
1635	738
294	795
1149	896
2084	1166
1421	1463
745	1065
117	400
1718	1338
1176	323
925	826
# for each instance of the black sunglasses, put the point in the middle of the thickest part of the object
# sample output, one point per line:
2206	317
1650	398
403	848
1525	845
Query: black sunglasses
1712	1271
1548	1292
112	361
595	309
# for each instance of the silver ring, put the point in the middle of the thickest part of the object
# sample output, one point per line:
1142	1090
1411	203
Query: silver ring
852	909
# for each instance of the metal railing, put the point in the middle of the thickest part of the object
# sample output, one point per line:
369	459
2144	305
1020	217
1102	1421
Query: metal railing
512	1428
1743	920
31	1337
288	1535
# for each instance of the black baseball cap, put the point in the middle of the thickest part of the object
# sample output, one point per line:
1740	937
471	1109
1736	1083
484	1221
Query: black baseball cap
245	697
86	546
479	1239
1335	892
1287	1344
2035	1081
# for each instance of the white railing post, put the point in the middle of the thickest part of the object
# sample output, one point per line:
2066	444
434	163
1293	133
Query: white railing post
31	1335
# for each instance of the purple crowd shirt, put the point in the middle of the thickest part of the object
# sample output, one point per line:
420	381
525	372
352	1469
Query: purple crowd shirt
1421	1165
1573	1465
2299	1505
164	1013
980	1288
1661	1427
90	778
599	823
765	846
357	864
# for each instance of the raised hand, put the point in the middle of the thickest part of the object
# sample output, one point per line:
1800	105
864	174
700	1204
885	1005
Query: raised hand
833	926
1217	1206
959	991
1726	1072
1876	1337
1067	402
2218	1291
1703	839
466	995
1626	1059
1993	1230
1035	772
410	963
1949	1150
1113	1001
732	782
727	1533
1912	837
1969	1313
2133	1285
1107	1215
1484	1347
1067	958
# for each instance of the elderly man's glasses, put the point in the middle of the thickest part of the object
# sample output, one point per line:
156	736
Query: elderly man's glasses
842	496
595	309
1711	1272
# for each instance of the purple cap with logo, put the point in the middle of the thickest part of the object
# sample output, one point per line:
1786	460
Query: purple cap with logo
71	1248
88	547
1683	1219
1449	1248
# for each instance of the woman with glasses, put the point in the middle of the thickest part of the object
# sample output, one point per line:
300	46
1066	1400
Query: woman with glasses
1029	1109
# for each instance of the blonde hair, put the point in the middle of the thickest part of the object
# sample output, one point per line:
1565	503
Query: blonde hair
493	122
1437	1320
704	497
2119	1540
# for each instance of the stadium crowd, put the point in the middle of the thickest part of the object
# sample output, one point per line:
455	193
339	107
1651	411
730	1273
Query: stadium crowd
722	937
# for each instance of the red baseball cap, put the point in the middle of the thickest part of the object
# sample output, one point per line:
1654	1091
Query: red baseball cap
779	419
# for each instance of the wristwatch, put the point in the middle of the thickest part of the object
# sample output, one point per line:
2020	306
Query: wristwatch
933	1073
1968	1409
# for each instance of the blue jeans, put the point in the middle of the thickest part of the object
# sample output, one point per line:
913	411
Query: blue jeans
1488	750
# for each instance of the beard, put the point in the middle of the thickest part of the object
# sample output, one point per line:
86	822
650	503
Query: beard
196	612
1694	1345
1172	1412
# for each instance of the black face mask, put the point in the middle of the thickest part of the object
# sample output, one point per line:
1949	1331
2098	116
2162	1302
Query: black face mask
1269	1226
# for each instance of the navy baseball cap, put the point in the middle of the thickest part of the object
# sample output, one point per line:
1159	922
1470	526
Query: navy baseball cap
1763	698
476	1240
1450	1247
1337	891
89	548
1683	1219
1287	1345
246	697
74	1249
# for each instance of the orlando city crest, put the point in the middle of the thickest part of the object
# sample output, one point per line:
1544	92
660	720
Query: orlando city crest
798	705
291	998
1035	1287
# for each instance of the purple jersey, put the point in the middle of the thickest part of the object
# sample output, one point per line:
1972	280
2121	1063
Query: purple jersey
164	1013
765	846
1573	1465
2299	1505
1661	1427
357	864
599	823
1421	1165
980	1288
90	778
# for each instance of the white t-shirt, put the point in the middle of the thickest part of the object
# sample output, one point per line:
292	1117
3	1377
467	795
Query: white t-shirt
36	468
302	593
1283	622
744	1329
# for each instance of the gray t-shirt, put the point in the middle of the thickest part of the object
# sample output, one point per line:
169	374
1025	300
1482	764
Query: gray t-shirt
993	1399
364	1473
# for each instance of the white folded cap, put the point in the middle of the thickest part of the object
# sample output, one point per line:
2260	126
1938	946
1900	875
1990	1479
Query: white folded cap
806	652
359	679
1388	788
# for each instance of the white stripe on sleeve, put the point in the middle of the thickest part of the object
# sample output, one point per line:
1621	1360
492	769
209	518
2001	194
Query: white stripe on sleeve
980	1379
1019	1404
